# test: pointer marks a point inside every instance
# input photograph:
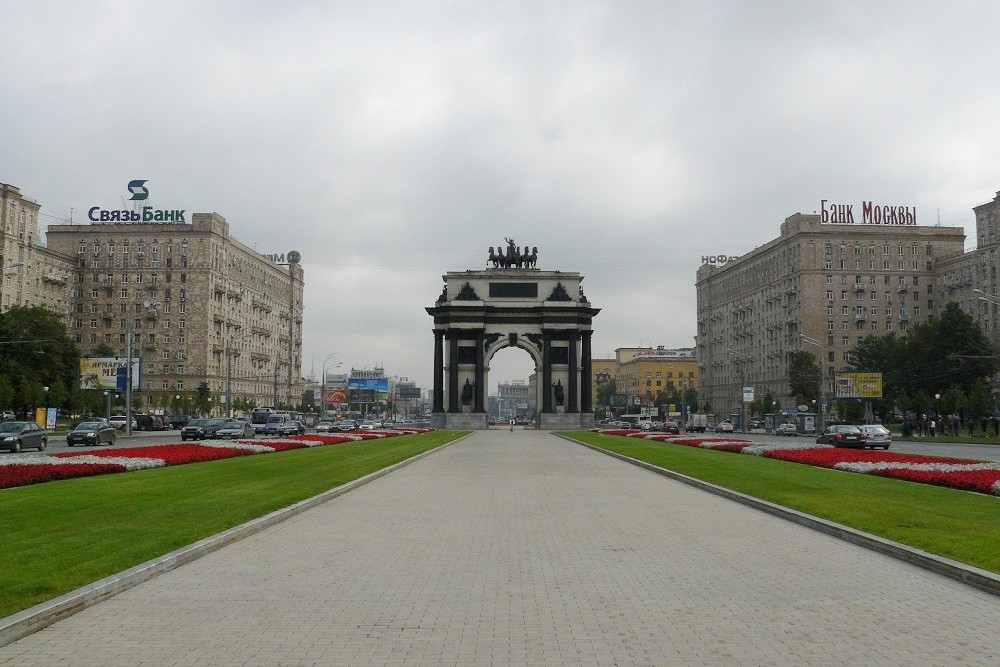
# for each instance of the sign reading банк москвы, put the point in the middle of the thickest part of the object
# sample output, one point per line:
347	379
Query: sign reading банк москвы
148	214
871	214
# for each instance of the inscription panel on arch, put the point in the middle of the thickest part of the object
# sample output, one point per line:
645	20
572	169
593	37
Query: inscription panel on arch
514	290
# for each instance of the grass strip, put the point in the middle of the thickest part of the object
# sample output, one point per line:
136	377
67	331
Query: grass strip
960	525
61	535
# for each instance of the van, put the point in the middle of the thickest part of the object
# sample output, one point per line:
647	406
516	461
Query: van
273	422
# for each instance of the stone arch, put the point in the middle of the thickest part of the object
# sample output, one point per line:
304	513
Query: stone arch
482	312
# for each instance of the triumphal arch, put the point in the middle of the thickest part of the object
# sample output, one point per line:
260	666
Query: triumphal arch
512	304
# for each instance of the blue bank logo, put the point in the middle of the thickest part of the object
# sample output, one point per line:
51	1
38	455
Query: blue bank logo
138	190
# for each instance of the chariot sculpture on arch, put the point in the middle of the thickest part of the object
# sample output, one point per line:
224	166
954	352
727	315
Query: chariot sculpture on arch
512	257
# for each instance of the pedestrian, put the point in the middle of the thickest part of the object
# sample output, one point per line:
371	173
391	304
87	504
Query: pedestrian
933	426
511	424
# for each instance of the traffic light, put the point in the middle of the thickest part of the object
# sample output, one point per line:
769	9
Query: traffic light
203	391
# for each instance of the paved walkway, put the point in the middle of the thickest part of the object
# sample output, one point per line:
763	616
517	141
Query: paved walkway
526	549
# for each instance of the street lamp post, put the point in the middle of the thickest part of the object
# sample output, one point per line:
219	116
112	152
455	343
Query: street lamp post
229	371
742	361
822	385
322	400
147	309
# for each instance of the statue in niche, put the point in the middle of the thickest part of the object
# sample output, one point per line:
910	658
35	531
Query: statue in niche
467	392
559	293
558	390
467	293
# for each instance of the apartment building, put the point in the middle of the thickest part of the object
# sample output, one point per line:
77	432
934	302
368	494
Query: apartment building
825	283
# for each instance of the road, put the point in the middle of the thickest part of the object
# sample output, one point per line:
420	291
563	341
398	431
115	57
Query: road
979	452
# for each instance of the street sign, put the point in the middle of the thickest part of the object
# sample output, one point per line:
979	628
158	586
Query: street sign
748	394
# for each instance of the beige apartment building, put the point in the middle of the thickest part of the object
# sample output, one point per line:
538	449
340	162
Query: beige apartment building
821	287
640	373
32	275
959	275
202	305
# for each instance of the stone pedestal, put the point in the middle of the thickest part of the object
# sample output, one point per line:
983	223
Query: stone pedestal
460	421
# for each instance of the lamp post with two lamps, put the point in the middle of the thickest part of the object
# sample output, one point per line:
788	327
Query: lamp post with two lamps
148	309
322	400
229	370
822	384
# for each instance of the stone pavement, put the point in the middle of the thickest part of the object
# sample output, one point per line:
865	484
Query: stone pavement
526	549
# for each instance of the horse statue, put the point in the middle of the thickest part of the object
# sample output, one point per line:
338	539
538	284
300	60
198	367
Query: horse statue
493	258
530	259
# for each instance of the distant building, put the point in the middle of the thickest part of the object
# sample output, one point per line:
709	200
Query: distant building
514	399
641	374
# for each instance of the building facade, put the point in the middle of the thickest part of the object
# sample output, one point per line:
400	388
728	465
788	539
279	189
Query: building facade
819	287
641	374
959	275
202	306
32	274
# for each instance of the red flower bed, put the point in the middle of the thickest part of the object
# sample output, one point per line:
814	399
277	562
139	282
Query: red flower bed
171	454
829	457
982	481
22	475
280	446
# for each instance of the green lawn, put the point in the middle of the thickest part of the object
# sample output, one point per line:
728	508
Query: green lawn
959	525
59	536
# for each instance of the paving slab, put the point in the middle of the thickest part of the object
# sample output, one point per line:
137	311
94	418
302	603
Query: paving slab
523	548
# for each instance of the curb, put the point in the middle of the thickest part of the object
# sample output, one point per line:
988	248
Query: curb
952	569
33	619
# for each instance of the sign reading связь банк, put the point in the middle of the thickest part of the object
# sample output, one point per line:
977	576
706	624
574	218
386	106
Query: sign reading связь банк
147	214
871	214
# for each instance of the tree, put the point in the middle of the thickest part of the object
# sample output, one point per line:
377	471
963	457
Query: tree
6	393
606	392
36	347
103	350
803	375
979	404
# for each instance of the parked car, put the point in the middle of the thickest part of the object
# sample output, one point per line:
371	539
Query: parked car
234	428
786	429
671	427
119	421
724	427
367	425
9	416
876	436
842	435
347	425
388	424
178	421
91	433
193	430
145	422
210	426
326	426
16	436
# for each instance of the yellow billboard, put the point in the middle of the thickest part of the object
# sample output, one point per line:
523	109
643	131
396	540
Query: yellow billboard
859	385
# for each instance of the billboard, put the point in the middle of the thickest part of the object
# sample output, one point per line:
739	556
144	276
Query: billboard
368	389
109	373
859	385
336	396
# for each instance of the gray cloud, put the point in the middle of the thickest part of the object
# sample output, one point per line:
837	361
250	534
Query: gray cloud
391	142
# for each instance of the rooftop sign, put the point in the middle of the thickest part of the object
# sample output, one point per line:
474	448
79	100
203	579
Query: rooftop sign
871	214
147	214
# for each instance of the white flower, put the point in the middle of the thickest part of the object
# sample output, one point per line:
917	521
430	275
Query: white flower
238	444
759	450
869	466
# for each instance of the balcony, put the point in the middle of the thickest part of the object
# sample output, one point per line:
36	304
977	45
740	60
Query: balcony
903	288
860	317
859	287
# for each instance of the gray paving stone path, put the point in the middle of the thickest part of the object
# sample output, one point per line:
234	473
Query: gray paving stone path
525	549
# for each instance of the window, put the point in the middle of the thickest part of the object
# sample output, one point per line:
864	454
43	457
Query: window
829	326
843	295
885	265
829	295
828	264
829	280
843	263
827	248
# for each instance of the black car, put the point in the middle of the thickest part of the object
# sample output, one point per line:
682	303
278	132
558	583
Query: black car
210	426
91	433
192	430
178	421
671	427
15	436
841	435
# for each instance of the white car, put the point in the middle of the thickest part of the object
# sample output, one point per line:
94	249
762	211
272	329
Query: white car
875	436
786	429
367	425
118	421
326	426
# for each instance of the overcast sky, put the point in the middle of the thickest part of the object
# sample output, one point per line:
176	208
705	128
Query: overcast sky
390	142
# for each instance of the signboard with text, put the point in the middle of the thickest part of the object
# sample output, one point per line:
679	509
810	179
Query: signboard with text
109	373
859	385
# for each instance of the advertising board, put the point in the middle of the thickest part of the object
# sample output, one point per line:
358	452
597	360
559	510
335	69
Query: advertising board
859	385
377	388
109	373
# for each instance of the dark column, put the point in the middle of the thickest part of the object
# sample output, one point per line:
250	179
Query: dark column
573	403
586	373
480	373
547	371
453	371
438	371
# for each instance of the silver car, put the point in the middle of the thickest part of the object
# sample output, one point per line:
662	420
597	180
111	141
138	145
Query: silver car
235	428
875	436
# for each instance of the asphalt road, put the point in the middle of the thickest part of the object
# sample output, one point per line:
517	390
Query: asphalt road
979	452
